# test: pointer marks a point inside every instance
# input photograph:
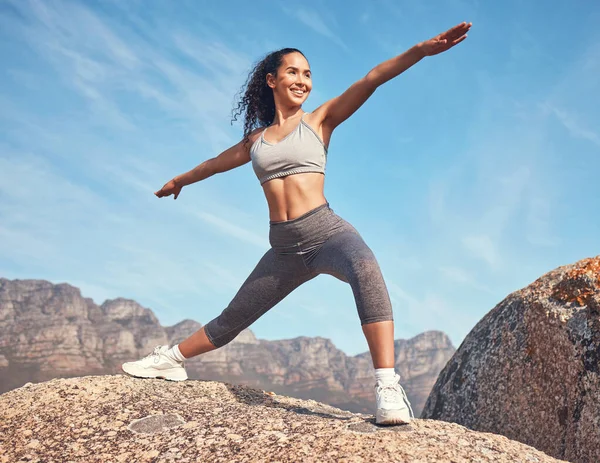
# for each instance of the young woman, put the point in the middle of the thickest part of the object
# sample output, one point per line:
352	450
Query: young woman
288	150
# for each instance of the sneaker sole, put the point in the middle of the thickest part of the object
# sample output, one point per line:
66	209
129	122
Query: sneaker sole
172	374
391	417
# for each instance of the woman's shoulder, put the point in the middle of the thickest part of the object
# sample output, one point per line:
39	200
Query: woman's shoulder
314	118
254	134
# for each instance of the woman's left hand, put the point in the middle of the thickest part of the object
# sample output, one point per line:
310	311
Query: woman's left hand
445	40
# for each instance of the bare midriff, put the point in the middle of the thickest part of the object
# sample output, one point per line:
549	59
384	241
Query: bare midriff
292	196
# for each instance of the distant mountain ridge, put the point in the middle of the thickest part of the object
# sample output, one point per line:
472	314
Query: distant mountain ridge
49	330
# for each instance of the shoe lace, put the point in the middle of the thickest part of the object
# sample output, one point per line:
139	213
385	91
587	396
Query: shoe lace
155	353
389	392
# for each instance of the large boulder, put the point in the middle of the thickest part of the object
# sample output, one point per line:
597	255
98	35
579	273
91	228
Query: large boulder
530	369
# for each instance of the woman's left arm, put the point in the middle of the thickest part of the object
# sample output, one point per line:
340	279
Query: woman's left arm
337	110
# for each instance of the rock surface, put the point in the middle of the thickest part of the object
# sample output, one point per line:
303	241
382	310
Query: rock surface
49	331
530	369
123	419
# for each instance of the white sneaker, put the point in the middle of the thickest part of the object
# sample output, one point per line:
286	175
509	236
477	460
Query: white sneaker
157	365
393	406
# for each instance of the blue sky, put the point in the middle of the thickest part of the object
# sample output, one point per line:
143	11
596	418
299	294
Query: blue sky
469	176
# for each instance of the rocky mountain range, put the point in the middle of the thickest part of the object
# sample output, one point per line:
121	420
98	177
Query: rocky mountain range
49	330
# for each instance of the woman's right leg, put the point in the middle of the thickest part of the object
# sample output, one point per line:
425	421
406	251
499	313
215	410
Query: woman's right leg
274	277
198	343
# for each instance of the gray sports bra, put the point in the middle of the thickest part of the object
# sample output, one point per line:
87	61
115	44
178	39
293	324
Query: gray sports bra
302	150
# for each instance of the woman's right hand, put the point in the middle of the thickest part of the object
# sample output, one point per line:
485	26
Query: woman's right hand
171	187
445	40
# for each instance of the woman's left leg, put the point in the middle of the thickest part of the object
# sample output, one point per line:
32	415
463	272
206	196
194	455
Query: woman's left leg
347	257
380	337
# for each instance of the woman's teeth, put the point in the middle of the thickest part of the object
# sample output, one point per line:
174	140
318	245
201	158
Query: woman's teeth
298	92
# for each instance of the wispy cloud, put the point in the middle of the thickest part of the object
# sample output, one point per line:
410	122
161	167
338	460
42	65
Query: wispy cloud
314	20
234	230
538	223
69	36
220	60
437	201
482	247
426	312
133	178
570	100
573	124
315	309
100	60
461	276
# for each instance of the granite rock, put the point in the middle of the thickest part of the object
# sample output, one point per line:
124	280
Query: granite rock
530	369
122	419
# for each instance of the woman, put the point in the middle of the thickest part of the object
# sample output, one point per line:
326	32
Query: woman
288	150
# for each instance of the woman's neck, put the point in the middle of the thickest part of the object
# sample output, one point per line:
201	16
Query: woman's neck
284	114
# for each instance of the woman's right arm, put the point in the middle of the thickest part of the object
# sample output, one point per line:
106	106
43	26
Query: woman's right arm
236	156
229	159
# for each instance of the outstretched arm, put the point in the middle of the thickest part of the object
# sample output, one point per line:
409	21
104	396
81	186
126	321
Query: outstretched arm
337	110
236	156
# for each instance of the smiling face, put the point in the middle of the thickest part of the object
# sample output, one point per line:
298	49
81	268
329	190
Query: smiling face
292	84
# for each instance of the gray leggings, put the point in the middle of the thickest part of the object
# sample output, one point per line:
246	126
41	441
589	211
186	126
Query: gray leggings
317	242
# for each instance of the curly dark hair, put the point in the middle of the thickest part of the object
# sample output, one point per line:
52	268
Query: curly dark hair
257	103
